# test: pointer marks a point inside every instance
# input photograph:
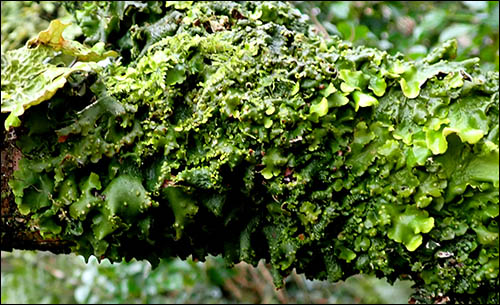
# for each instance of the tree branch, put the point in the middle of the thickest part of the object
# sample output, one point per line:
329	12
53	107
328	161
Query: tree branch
16	231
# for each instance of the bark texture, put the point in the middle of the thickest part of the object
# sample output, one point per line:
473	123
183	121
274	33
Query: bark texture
17	231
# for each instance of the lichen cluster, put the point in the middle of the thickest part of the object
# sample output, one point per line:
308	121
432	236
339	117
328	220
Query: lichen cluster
232	128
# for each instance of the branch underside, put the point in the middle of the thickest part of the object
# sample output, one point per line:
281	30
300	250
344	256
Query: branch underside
16	234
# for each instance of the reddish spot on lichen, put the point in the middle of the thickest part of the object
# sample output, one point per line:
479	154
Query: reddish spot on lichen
167	183
62	139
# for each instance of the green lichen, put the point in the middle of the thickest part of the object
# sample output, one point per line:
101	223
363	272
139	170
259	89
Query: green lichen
42	74
239	131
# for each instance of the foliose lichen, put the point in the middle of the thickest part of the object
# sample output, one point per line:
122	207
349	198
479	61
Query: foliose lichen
232	128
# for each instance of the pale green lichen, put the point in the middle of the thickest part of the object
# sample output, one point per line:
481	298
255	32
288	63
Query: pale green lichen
42	76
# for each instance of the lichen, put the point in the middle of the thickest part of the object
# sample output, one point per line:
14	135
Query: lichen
240	131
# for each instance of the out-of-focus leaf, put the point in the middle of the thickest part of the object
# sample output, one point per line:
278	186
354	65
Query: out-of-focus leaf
340	9
456	31
476	5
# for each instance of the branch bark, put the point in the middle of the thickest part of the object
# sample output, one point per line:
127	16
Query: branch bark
17	231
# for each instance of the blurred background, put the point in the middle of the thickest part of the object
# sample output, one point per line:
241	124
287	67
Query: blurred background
42	277
411	28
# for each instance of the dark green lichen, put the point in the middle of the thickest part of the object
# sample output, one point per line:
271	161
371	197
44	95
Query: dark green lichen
239	131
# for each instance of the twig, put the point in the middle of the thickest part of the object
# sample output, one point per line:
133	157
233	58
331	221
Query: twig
318	25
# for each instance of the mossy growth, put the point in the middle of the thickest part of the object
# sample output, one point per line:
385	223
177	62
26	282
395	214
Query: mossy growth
232	128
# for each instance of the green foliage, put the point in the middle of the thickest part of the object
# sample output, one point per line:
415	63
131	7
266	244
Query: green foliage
243	133
68	279
45	278
413	28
